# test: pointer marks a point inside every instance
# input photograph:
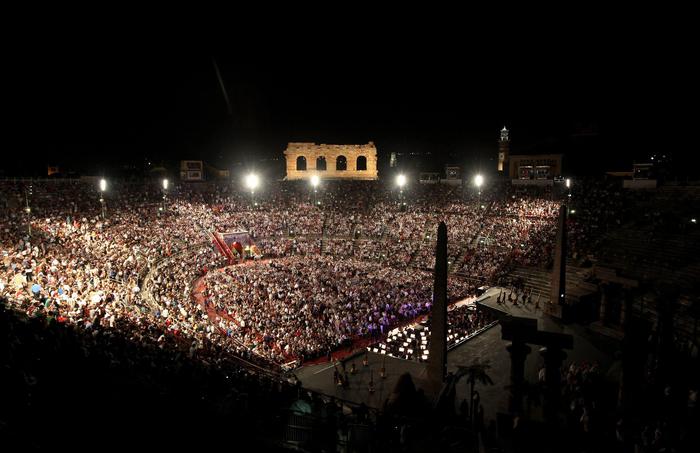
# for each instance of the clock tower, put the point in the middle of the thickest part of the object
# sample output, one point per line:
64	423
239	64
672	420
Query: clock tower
503	149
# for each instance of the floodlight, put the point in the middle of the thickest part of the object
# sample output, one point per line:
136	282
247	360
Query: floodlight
315	181
401	180
252	181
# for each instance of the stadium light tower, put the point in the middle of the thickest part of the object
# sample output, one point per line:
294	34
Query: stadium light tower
28	210
401	182
251	182
103	188
166	183
478	182
315	181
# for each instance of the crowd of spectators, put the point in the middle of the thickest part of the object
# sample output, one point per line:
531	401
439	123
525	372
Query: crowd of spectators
130	256
303	306
119	269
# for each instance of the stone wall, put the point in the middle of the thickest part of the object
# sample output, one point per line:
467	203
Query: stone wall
311	152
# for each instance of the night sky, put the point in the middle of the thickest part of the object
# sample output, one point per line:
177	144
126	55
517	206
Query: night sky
90	107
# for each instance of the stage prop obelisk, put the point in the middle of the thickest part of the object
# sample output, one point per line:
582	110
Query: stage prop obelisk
557	298
437	362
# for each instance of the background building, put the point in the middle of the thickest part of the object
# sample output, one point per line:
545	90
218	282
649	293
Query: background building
503	151
535	168
191	170
527	168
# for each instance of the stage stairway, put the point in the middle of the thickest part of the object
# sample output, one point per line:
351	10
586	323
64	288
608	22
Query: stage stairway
538	281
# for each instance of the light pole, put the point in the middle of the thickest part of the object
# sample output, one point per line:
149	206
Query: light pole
315	181
478	182
252	181
28	210
401	182
103	187
165	193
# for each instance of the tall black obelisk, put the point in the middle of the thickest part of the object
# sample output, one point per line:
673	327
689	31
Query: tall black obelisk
437	362
557	298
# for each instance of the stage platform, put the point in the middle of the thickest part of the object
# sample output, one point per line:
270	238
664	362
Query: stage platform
487	346
532	311
546	323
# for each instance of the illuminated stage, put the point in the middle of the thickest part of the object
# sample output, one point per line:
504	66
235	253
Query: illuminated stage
487	346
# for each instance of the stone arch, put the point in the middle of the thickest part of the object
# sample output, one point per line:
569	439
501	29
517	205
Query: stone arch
361	163
301	163
341	163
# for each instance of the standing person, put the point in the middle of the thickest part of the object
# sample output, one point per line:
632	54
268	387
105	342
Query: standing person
585	423
28	271
464	408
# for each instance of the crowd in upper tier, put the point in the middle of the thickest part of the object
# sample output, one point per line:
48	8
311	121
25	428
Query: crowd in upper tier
352	266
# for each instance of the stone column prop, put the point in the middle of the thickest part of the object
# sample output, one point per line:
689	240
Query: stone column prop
553	358
603	304
518	351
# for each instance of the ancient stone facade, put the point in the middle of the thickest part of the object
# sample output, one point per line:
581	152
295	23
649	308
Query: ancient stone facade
357	162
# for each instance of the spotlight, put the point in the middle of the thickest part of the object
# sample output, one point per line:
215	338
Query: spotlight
401	180
252	181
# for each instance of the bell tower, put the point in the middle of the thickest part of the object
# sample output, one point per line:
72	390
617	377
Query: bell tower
503	150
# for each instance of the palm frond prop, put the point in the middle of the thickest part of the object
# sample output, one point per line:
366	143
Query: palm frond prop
476	372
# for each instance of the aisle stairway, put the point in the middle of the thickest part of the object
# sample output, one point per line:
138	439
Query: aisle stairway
664	257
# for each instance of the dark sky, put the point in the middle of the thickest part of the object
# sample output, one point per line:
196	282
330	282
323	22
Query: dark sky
85	102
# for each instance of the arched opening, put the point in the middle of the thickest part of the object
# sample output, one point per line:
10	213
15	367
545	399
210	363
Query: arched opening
301	163
361	163
341	163
321	163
